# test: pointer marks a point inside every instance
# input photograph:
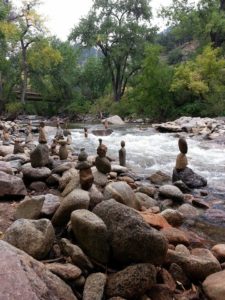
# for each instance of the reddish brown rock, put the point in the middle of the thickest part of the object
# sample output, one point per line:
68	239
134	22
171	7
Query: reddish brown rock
155	220
175	236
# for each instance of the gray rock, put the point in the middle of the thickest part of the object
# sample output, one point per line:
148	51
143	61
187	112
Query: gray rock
131	282
77	199
91	233
23	277
99	178
95	196
11	185
173	217
50	205
171	191
30	208
40	156
121	192
94	287
189	177
35	237
130	237
65	271
145	201
62	167
35	174
188	211
38	186
6	167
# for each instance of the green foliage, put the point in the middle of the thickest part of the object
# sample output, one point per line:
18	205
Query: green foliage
151	93
203	80
14	107
120	30
175	56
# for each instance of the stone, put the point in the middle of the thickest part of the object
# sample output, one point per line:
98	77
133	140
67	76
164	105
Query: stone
91	233
121	192
161	292
11	185
66	177
144	200
78	257
182	144
18	148
73	184
5	150
96	196
77	199
131	239
155	220
30	208
39	157
38	186
94	286
35	174
42	134
196	267
50	205
119	169
148	190
116	120
159	178
65	271
178	275
175	236
100	179
102	163
189	177
200	203
219	252
131	282
84	167
59	132
122	154
171	192
62	167
23	277
6	167
35	237
63	152
181	162
182	249
164	277
188	211
213	286
173	217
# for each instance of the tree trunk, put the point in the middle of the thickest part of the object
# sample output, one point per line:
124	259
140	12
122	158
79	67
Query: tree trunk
24	73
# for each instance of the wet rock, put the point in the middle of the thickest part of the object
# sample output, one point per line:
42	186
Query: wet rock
11	185
175	236
181	162
182	186
94	286
178	275
130	238
62	167
35	237
182	249
99	178
38	186
148	190
91	233
66	178
189	177
131	282
214	287
77	199
164	277
160	292
159	178
95	197
28	278
155	220
188	211
35	174
73	183
119	169
63	152
200	203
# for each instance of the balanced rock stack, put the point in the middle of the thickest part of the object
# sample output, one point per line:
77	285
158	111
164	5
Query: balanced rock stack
102	163
18	148
59	132
63	151
182	172
40	155
122	154
86	176
6	137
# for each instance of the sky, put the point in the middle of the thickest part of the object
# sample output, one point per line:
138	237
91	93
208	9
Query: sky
62	16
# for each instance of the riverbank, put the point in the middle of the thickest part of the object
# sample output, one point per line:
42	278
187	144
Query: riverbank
115	237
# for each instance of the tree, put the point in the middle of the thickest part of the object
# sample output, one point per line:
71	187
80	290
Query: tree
120	29
30	30
152	94
202	80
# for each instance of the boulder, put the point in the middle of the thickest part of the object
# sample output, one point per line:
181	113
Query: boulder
171	192
175	236
115	120
132	282
91	234
6	167
11	185
121	192
40	156
159	178
5	150
173	217
77	199
219	252
35	237
65	271
189	177
130	237
99	178
23	277
144	200
50	205
35	174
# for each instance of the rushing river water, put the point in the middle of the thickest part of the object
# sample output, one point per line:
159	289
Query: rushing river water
149	151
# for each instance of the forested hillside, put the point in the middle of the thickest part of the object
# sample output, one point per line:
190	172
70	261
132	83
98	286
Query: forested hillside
115	61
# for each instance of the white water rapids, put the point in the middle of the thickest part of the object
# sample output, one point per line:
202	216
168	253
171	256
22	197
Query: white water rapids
148	151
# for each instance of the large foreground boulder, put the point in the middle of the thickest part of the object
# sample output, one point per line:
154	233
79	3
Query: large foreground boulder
214	287
130	237
35	237
22	277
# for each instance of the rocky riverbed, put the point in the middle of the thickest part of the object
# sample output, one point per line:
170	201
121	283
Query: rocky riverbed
123	237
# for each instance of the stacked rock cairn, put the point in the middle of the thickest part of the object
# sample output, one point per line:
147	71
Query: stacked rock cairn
122	154
84	167
181	161
102	162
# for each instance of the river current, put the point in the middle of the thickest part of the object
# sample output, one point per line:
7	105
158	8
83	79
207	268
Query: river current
149	151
